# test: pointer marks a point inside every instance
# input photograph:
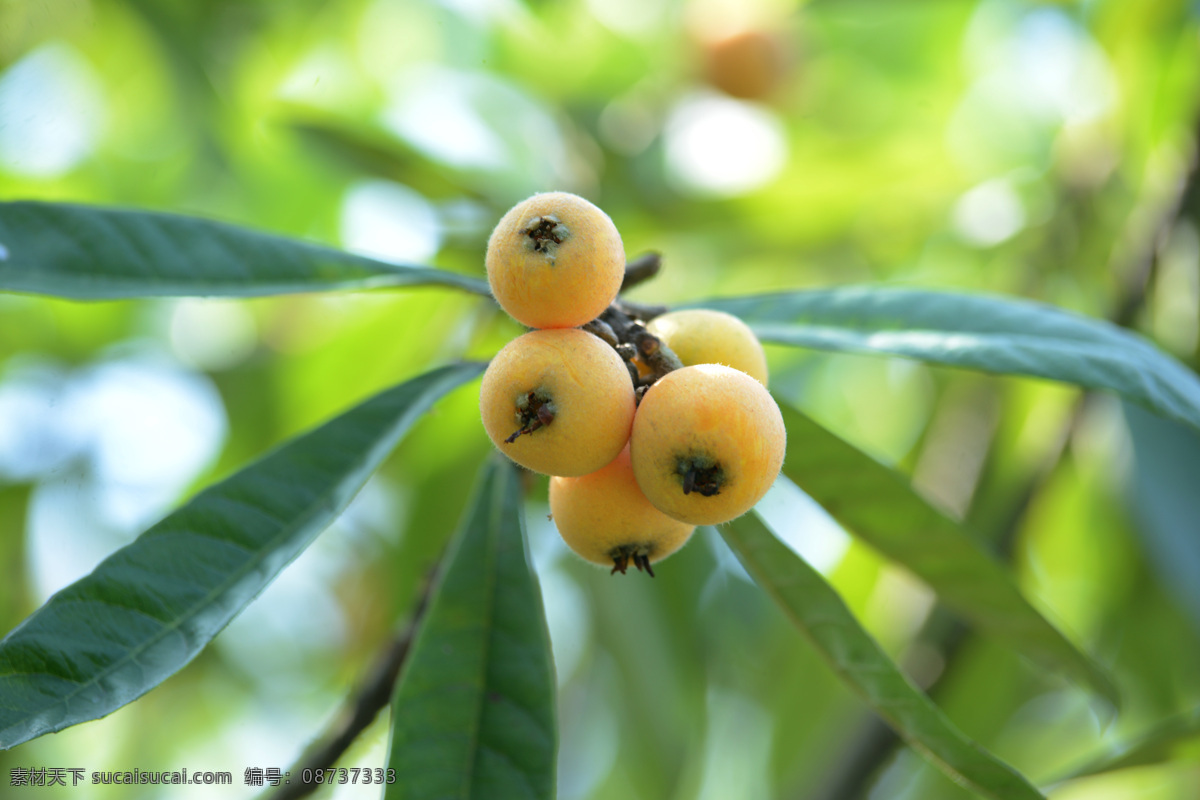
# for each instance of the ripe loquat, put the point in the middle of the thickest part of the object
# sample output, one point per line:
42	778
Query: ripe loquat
749	64
707	442
559	402
704	336
555	261
605	518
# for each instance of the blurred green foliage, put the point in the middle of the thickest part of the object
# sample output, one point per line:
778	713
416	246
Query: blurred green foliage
1029	148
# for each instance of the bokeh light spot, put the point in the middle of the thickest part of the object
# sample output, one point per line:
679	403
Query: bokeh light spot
989	214
719	146
53	111
212	335
142	430
389	221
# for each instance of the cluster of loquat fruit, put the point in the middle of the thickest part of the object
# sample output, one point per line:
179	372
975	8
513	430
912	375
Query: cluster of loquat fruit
649	422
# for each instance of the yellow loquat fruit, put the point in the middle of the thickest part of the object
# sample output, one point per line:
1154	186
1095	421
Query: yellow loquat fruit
748	64
707	442
555	261
704	336
605	518
558	401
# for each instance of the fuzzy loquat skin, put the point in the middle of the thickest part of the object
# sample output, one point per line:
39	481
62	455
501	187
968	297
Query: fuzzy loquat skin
703	336
605	518
555	261
573	383
707	443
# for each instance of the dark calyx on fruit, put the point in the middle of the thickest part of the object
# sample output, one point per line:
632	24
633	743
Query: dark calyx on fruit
636	554
534	411
701	475
547	233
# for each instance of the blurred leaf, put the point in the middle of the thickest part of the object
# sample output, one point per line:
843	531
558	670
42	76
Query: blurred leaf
877	504
1152	747
474	715
362	147
14	508
978	332
821	615
149	608
89	253
1167	463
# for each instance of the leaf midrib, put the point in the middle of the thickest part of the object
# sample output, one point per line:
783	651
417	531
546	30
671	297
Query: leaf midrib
257	556
770	587
778	329
496	509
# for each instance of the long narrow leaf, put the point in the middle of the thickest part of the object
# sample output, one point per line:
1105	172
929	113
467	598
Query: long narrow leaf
473	716
149	608
821	615
978	332
90	253
1163	489
878	505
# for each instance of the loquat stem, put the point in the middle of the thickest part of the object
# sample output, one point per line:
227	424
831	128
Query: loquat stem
641	311
601	329
641	269
626	334
652	350
361	708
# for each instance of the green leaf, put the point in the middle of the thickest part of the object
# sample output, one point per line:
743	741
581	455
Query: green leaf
821	615
1166	462
149	608
878	504
473	715
978	332
89	253
1152	747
